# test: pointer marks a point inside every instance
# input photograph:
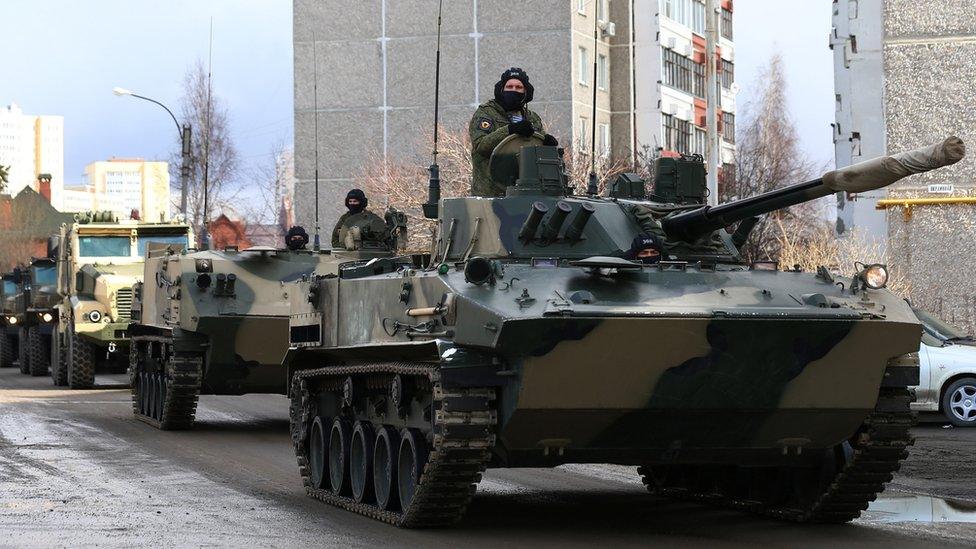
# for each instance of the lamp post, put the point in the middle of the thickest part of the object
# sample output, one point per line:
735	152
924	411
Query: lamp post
184	133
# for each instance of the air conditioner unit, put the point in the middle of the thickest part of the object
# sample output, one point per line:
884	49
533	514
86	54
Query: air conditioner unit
672	42
609	28
688	50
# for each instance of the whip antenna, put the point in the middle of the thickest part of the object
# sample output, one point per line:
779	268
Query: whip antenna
316	242
591	186
205	237
434	183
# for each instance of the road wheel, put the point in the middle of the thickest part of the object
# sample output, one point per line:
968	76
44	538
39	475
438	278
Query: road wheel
81	362
59	359
339	457
413	457
959	402
6	350
361	462
384	468
39	353
23	356
316	452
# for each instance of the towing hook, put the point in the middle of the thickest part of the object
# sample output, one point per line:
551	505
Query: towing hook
111	347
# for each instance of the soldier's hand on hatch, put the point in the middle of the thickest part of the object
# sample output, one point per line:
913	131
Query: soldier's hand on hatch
523	128
550	141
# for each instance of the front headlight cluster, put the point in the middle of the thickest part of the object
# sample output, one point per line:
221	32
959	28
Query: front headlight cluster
95	316
874	276
46	317
12	320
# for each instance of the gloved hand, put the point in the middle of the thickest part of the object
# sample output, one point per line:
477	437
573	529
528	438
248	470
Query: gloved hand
550	141
523	128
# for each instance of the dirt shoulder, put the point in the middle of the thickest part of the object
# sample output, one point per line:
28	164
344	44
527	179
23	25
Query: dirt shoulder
942	463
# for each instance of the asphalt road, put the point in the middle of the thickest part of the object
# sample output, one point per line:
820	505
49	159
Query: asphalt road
76	469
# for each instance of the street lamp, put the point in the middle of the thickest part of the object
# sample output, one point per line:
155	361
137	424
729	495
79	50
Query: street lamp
184	133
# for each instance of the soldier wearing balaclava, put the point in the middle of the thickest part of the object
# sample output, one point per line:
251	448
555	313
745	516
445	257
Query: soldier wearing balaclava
370	226
506	114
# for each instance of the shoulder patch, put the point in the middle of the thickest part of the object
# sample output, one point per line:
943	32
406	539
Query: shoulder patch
486	124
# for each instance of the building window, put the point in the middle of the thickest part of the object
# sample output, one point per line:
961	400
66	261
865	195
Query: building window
604	136
584	63
583	127
698	17
677	134
682	73
581	7
602	72
727	74
728	127
698	143
726	27
601	10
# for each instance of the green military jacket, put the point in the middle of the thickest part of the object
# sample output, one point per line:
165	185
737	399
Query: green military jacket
488	127
371	226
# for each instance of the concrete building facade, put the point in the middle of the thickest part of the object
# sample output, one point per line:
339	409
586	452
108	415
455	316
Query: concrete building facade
905	76
122	185
32	145
373	62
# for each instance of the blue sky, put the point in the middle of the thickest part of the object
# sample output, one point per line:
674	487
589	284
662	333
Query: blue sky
65	56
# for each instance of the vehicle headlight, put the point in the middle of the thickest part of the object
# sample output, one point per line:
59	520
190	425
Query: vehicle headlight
13	320
46	317
94	316
875	276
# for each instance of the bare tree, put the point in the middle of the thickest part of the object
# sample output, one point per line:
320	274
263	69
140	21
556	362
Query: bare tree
4	177
272	184
212	149
768	157
21	236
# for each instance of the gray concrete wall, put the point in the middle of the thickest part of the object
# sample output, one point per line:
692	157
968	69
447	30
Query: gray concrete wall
930	90
375	73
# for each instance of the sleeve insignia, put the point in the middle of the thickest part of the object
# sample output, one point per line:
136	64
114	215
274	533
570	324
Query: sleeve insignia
485	124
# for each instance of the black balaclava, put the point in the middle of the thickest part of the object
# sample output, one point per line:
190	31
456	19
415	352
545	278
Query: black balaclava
509	100
361	196
645	242
296	239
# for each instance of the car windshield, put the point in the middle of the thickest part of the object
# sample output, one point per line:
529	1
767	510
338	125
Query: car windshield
144	240
942	330
45	275
104	246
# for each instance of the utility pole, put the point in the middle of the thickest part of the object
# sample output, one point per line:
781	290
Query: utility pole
713	101
185	135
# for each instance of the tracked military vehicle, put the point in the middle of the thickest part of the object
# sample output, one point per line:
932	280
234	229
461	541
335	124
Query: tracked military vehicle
217	322
531	341
99	259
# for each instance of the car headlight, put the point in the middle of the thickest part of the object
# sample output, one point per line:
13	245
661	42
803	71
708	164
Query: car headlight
875	276
47	317
94	316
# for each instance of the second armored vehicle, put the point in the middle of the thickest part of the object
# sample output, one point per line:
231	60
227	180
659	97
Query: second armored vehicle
8	319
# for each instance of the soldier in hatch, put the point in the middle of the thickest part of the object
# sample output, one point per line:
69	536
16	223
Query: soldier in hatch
371	226
504	115
296	239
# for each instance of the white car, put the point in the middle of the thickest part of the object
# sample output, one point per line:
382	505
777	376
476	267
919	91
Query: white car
947	371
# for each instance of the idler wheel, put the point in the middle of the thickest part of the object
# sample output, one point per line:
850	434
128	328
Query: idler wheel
316	452
361	461
339	440
410	465
385	468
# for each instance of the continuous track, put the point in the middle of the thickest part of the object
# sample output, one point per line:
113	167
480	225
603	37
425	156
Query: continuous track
461	439
165	385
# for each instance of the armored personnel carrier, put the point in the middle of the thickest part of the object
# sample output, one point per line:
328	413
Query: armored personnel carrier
99	259
532	340
217	322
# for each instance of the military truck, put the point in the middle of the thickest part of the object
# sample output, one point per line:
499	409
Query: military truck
40	318
99	259
533	339
217	321
9	289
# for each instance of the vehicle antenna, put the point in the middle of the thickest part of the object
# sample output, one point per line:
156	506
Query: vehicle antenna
591	186
316	242
434	183
205	237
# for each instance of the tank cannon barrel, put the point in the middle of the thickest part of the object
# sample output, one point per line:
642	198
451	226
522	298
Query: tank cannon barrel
862	177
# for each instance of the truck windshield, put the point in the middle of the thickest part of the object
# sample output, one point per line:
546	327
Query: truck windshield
45	275
144	240
104	246
9	288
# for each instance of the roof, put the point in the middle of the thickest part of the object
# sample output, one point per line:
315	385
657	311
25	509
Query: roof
31	214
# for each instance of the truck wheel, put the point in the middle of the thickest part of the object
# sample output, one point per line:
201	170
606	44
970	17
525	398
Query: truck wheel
39	358
6	351
23	357
81	362
959	402
59	360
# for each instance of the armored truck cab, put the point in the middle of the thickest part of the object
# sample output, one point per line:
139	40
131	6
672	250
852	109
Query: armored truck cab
41	316
8	319
532	341
99	259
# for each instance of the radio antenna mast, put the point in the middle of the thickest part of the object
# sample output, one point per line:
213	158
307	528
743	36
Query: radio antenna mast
205	237
591	186
316	242
434	182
